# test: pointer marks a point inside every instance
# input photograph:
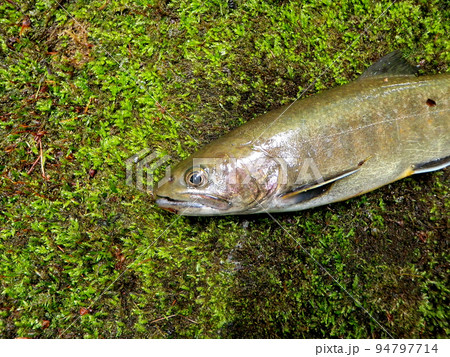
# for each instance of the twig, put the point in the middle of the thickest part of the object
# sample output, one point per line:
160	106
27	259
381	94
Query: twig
87	106
184	317
174	315
34	164
44	176
163	318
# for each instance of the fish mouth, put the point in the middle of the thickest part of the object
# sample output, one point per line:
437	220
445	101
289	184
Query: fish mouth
197	202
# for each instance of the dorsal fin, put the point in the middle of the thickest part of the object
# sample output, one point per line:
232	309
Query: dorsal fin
393	64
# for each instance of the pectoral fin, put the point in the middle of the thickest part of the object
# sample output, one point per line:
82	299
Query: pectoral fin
315	189
424	167
431	166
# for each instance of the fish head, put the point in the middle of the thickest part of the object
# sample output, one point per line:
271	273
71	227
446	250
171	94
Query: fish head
221	185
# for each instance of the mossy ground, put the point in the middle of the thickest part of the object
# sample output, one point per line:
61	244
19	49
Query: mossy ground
90	83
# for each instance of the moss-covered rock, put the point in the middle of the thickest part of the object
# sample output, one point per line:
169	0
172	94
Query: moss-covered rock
85	85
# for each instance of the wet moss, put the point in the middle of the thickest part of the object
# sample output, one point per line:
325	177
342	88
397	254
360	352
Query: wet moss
86	86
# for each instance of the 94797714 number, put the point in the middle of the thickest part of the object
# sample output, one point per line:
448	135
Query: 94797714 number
405	348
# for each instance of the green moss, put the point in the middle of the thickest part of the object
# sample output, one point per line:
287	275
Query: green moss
85	255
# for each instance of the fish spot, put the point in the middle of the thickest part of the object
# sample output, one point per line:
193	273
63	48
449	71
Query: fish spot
362	162
430	102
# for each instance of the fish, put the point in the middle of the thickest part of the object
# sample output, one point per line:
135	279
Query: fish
329	147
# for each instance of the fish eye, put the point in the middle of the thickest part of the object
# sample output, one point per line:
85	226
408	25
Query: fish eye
196	178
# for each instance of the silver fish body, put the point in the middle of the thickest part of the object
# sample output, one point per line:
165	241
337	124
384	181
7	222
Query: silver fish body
322	149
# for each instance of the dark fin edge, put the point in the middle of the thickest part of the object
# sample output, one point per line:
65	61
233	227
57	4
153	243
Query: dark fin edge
430	166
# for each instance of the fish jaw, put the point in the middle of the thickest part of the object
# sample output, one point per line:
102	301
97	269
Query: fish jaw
199	204
186	208
177	207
